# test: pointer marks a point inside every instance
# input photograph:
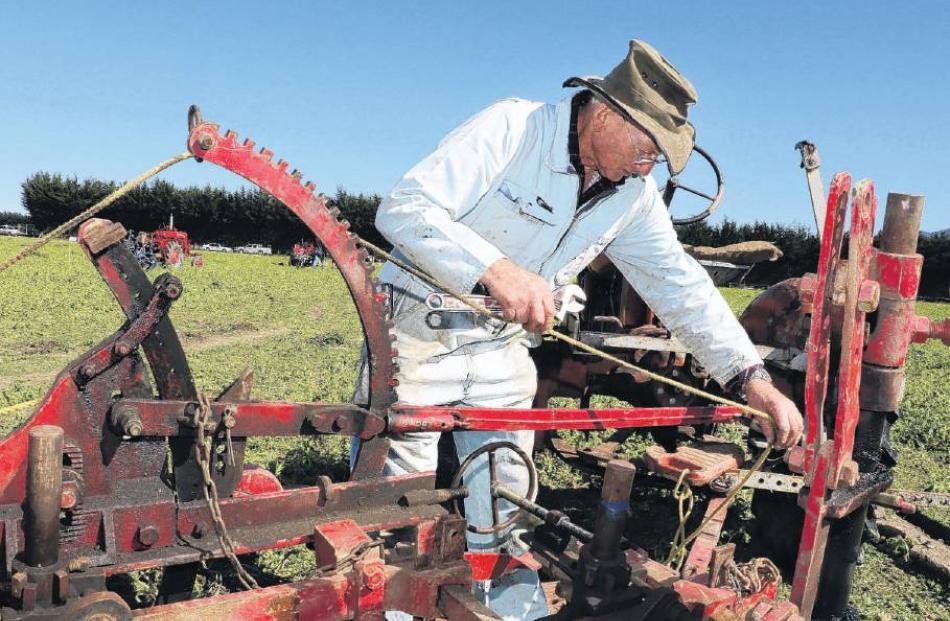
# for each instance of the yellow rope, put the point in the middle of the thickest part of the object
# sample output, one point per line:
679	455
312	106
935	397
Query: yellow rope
683	494
18	406
105	202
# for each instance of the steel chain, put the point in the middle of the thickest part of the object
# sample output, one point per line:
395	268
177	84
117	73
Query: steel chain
748	578
351	558
210	490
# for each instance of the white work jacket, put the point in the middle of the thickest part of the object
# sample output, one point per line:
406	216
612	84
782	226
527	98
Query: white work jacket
502	186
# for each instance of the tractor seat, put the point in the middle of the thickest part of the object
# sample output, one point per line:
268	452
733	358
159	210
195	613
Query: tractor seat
705	461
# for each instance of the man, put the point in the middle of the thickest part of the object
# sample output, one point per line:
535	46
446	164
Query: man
518	200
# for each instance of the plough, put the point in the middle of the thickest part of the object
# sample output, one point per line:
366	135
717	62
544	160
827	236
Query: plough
124	465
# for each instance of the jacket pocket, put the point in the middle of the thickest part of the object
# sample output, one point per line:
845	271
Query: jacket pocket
529	204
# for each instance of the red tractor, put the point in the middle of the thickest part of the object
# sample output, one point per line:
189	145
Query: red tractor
168	246
307	254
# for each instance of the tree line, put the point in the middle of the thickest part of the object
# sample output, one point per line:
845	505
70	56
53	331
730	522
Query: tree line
253	216
207	214
800	247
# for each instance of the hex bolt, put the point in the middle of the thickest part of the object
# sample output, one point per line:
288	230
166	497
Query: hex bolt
795	458
17	581
133	428
127	420
375	577
807	286
228	418
849	474
122	348
68	499
869	296
172	290
205	141
147	535
88	371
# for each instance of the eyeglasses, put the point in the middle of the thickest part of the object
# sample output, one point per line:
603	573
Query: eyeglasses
649	160
642	159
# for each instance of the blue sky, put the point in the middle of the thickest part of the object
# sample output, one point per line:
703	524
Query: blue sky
354	93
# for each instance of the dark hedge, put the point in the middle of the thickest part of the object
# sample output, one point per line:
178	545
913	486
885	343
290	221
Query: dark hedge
252	216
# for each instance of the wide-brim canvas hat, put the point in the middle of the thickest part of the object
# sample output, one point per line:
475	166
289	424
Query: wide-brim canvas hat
648	90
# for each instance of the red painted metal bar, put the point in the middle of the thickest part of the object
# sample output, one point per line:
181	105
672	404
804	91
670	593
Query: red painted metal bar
433	418
863	209
364	593
256	418
811	548
696	567
818	454
816	384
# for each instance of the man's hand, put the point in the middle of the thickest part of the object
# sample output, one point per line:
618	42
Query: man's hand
524	297
785	427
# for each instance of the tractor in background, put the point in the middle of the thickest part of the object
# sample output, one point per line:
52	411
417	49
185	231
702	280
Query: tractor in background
166	246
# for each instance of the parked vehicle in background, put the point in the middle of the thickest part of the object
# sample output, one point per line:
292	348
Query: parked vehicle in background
9	229
215	247
254	249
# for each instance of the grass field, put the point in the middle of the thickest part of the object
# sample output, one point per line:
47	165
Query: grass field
299	332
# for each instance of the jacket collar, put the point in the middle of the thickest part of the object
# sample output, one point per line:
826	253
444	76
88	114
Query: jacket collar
558	158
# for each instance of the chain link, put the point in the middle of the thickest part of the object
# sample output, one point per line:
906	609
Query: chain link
210	490
349	559
748	578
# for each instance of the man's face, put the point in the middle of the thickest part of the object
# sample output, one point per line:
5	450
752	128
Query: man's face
620	148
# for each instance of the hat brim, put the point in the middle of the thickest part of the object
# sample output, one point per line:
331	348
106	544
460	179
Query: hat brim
675	145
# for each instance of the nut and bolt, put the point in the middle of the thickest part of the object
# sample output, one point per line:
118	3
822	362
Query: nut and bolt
806	289
69	499
795	458
205	141
133	428
126	418
374	577
172	290
147	535
868	296
17	582
849	473
122	348
228	417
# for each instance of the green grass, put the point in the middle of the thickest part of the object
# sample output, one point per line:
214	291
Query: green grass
299	332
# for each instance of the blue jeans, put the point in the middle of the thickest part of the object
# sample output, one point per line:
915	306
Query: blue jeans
518	594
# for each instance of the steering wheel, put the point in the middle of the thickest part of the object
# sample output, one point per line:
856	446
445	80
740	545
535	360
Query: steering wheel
672	184
491	448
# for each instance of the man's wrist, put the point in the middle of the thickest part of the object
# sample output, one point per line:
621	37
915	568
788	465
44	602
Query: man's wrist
736	387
